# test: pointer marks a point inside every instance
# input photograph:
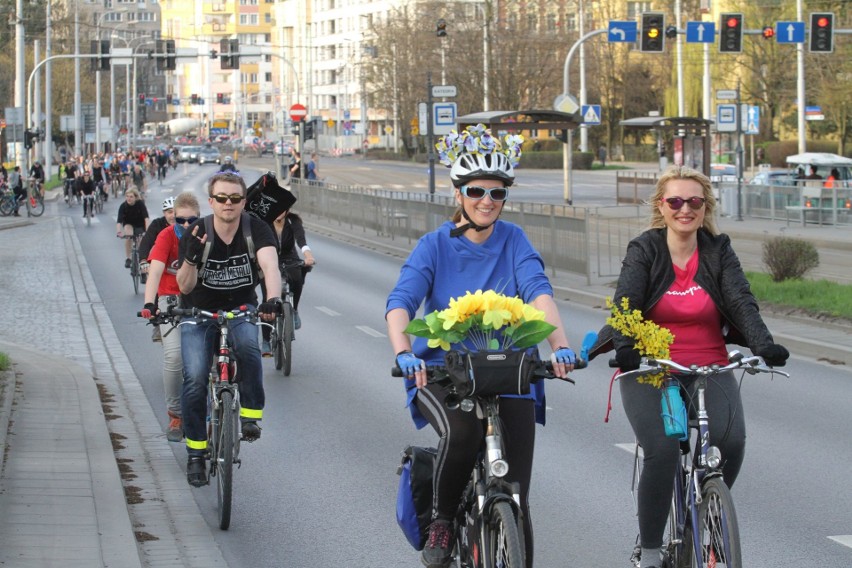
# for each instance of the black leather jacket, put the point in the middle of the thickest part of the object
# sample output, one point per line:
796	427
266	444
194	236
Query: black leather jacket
647	273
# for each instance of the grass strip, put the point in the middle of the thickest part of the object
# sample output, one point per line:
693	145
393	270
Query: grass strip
819	296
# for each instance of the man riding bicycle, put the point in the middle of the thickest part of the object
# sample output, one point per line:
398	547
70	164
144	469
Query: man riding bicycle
220	258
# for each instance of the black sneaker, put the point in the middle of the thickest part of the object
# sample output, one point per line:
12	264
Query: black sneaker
126	263
196	471
439	546
251	431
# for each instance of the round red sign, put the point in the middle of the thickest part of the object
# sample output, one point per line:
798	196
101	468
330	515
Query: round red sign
298	112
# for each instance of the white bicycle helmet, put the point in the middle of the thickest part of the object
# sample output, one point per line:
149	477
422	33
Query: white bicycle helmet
168	203
469	167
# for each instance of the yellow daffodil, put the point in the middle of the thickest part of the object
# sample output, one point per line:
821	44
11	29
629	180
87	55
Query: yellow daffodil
650	339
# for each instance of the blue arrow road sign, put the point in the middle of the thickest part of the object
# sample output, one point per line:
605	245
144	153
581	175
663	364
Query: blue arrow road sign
622	32
591	114
700	32
752	125
790	32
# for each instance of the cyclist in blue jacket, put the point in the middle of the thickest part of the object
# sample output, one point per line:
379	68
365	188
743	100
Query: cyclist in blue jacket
475	250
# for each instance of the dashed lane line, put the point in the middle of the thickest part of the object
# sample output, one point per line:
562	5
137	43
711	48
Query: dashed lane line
328	311
845	540
370	331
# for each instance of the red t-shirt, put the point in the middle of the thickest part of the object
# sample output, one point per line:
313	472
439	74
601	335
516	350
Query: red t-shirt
689	312
165	250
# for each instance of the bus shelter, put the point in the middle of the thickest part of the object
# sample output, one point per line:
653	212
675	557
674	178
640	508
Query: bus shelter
691	139
522	120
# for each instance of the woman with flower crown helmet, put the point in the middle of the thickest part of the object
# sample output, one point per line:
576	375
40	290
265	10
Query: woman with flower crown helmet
473	251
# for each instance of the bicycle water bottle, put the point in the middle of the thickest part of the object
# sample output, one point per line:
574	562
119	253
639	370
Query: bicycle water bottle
673	410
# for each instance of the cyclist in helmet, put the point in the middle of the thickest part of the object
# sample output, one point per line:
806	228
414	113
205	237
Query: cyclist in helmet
475	250
228	165
147	243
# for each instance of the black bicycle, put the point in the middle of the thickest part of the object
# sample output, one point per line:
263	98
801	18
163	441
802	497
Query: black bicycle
283	330
135	269
224	403
702	530
489	529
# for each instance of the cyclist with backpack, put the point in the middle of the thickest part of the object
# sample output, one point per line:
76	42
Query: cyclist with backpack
220	261
475	250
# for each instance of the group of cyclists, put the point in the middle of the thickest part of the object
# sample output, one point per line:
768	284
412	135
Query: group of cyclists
14	181
681	273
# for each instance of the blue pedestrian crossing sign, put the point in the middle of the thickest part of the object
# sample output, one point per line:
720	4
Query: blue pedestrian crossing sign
591	114
621	32
700	32
752	120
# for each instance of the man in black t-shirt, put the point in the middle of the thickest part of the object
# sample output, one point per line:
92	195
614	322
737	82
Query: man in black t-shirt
224	280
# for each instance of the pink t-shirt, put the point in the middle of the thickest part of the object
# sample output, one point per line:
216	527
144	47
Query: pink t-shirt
689	312
165	250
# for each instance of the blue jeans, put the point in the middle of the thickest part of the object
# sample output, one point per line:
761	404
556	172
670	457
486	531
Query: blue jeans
197	343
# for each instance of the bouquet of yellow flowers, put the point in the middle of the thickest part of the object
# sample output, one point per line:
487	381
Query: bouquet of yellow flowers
481	317
651	340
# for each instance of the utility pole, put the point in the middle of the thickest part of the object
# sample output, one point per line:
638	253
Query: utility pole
584	130
20	69
78	103
48	96
800	85
430	135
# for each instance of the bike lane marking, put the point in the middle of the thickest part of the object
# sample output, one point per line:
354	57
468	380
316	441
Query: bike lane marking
328	311
845	540
370	331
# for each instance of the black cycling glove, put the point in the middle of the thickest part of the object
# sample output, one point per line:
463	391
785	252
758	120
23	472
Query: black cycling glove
628	358
194	250
774	355
149	311
270	306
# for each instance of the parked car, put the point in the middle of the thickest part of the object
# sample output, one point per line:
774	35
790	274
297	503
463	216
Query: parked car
723	173
283	149
267	147
209	154
772	178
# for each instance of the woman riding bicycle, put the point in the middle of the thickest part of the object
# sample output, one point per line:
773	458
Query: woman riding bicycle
683	275
132	220
473	251
162	288
291	239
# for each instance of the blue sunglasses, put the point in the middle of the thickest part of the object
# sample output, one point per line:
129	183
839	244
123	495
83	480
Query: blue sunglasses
476	192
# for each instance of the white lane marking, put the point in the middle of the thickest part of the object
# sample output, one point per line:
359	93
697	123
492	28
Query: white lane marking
370	331
327	311
629	448
845	539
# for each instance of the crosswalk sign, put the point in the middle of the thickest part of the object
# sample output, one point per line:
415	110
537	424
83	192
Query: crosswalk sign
591	114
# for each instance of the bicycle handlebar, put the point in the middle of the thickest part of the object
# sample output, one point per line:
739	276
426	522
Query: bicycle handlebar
438	374
651	366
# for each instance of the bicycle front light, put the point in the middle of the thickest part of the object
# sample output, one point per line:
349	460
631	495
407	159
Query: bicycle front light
499	468
714	457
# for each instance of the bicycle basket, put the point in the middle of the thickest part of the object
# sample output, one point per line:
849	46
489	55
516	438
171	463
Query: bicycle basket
414	496
486	373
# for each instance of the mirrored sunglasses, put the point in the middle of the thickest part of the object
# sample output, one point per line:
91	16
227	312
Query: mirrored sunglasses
185	220
675	203
222	198
477	192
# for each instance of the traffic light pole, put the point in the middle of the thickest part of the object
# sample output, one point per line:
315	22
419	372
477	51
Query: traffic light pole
430	135
740	157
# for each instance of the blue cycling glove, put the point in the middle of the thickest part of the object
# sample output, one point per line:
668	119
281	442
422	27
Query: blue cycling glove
409	363
564	355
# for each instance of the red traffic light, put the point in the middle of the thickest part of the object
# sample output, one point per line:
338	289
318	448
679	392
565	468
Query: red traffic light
732	22
822	22
768	32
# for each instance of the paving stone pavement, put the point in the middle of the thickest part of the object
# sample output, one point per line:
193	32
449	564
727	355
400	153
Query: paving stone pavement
53	308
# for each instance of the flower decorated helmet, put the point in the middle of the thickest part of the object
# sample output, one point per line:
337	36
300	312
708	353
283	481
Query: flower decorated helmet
475	154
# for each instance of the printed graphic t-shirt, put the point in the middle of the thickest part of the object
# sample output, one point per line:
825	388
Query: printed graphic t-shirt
229	277
690	314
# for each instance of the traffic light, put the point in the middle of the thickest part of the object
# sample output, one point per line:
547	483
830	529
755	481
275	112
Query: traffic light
166	55
194	99
220	98
100	53
768	32
169	99
311	126
822	32
653	38
229	53
29	138
731	36
671	32
441	28
141	98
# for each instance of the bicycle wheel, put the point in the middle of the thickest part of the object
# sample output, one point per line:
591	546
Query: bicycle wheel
287	338
225	435
502	541
134	269
7	206
36	205
718	530
276	337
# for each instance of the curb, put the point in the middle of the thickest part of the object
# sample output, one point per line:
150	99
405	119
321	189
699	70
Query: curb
7	396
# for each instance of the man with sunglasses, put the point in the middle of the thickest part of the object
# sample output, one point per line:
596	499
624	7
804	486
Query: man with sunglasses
161	291
683	275
219	270
474	250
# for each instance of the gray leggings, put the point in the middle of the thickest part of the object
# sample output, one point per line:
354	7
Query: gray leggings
727	432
